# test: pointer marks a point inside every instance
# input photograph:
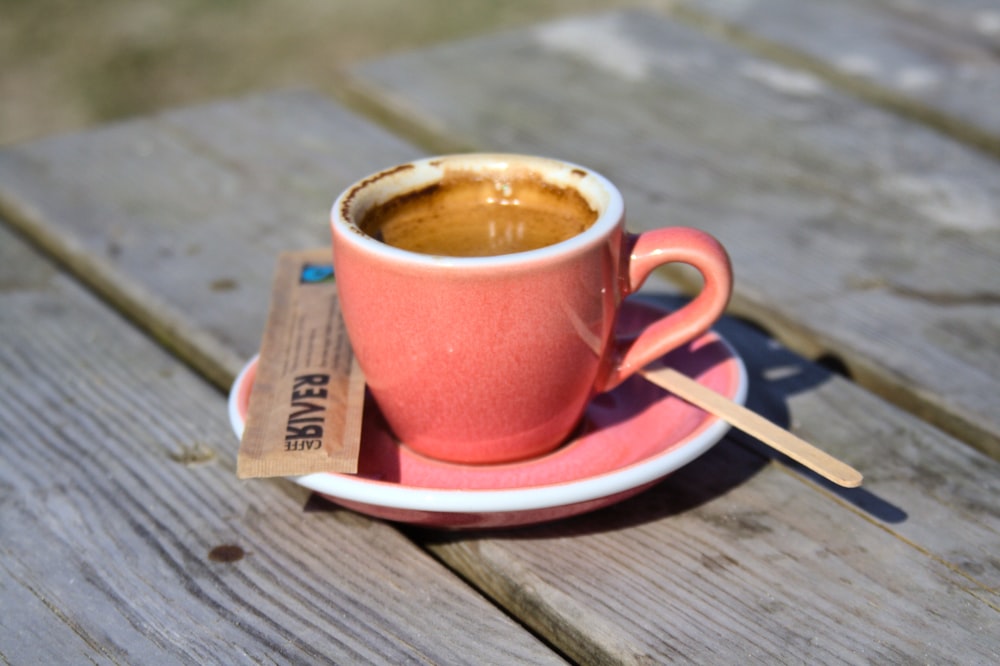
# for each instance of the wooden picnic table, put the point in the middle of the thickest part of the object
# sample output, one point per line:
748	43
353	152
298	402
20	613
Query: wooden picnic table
847	155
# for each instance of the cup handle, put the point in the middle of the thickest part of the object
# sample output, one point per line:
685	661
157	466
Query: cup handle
663	246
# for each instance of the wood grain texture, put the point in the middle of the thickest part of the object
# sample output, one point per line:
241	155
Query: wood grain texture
830	207
731	559
160	200
126	537
938	63
735	560
853	232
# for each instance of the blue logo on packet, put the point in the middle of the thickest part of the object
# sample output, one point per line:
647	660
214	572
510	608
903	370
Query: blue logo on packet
312	273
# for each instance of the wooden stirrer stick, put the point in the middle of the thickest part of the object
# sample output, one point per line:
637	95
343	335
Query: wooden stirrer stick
753	424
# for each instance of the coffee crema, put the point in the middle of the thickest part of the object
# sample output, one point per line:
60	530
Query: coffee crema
475	215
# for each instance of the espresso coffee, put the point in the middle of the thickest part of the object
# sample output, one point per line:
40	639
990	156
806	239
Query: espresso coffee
472	215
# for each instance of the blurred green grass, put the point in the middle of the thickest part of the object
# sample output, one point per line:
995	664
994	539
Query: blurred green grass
70	64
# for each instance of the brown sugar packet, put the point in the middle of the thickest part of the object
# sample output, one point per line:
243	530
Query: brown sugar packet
307	400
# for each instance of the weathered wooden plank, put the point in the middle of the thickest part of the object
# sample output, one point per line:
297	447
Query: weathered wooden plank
806	186
663	594
127	537
832	544
733	561
853	232
159	200
690	587
924	487
937	62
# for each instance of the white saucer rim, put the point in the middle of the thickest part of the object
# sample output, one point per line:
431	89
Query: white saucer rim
410	498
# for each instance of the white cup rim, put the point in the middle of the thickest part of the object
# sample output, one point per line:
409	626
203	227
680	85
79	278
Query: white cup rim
599	192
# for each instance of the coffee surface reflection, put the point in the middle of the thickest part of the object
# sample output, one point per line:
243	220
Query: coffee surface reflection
474	216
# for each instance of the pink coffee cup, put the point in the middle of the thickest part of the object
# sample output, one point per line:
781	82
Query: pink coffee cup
493	359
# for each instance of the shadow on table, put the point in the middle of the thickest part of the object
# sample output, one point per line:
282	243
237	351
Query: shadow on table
776	375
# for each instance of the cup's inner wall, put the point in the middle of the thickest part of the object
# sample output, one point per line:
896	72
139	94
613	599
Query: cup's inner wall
379	189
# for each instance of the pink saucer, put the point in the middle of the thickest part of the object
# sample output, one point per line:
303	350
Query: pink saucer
630	438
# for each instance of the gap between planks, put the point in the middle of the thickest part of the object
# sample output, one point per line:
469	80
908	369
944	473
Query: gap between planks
195	349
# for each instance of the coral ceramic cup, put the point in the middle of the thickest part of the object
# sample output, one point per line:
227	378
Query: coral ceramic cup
492	359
